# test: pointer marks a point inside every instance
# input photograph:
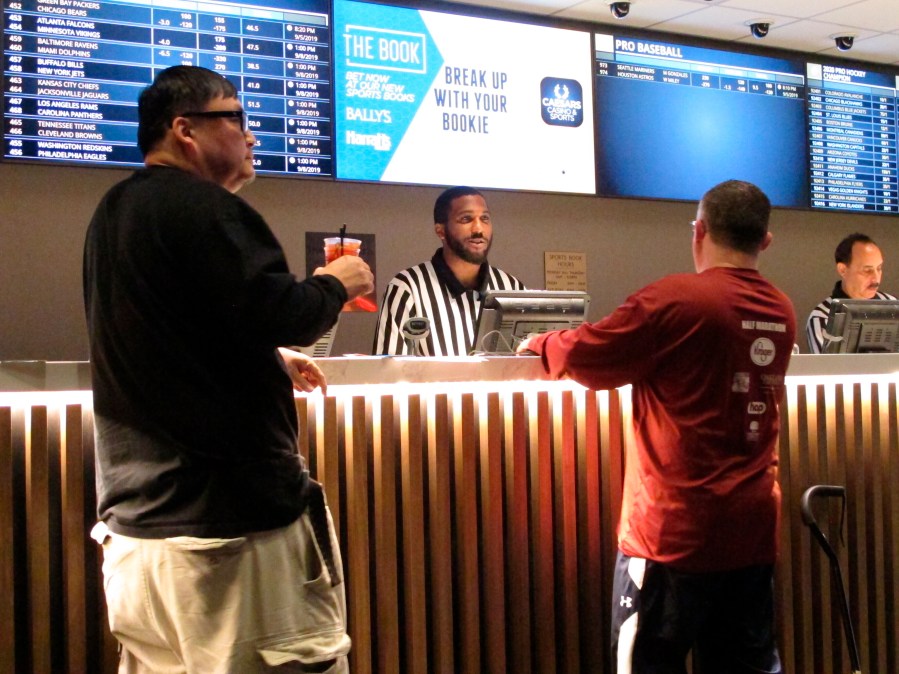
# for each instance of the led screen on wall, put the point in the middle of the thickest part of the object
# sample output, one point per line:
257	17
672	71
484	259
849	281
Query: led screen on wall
852	138
73	70
381	92
432	98
675	119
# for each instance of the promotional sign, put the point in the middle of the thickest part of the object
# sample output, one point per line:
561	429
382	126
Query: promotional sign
431	98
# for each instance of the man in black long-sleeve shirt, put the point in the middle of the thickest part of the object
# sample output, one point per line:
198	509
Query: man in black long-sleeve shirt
189	305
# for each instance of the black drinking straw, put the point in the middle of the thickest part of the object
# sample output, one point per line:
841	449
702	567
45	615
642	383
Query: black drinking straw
342	233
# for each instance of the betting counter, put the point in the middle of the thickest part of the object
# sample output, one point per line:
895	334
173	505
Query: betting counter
476	503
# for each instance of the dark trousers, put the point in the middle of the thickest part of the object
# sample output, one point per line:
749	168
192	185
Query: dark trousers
660	614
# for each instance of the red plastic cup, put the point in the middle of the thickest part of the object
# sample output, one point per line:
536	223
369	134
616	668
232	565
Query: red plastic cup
334	249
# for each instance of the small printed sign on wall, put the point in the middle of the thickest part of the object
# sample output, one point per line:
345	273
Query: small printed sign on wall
565	271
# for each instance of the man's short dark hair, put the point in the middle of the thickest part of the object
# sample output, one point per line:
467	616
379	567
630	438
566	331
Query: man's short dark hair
176	90
445	201
843	253
736	214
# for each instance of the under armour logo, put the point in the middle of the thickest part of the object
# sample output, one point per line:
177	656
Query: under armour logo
626	601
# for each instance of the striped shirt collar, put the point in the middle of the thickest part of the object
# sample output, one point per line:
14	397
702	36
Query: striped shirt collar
448	279
838	292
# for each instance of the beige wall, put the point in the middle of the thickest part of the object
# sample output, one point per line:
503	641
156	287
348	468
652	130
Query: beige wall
44	212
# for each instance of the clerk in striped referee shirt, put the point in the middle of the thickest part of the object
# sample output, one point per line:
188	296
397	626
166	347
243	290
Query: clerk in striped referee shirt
447	289
860	266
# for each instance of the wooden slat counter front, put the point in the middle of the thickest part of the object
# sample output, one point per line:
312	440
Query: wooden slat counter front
476	504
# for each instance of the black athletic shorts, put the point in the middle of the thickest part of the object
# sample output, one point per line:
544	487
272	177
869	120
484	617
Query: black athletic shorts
659	615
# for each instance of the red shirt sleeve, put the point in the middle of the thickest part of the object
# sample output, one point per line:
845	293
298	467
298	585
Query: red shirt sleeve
613	352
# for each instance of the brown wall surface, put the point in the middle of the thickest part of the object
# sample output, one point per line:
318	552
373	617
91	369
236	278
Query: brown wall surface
44	211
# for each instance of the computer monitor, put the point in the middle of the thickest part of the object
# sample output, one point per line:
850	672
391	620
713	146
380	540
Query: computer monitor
321	348
862	326
510	316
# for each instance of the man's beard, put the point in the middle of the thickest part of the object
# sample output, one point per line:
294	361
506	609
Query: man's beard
458	247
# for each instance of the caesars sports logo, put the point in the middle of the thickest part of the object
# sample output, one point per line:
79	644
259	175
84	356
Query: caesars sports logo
561	101
762	351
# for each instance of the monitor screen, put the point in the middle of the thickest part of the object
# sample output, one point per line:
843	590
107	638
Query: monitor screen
862	326
321	348
510	316
432	98
853	128
382	92
673	119
73	72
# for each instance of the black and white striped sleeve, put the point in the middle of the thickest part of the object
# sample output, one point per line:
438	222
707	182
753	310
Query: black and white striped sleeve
814	327
398	305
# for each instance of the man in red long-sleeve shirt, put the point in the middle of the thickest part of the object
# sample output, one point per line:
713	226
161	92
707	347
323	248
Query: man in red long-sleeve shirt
706	354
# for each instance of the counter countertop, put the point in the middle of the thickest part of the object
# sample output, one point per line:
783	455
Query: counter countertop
20	376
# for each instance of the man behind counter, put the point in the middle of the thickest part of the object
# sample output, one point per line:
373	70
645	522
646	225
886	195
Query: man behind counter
860	266
706	354
219	553
447	289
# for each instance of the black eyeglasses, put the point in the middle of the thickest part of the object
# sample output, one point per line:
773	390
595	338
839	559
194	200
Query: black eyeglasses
232	114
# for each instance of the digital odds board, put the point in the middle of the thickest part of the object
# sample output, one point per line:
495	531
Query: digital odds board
387	93
853	128
433	98
675	119
73	70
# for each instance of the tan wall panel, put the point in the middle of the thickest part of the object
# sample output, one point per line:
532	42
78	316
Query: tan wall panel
627	244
